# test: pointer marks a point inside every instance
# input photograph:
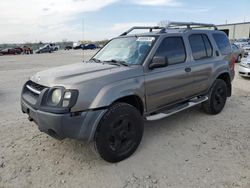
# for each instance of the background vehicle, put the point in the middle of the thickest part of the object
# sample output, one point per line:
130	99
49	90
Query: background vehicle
27	50
9	51
242	42
134	77
77	46
244	67
45	49
247	49
90	47
68	48
54	47
238	52
18	50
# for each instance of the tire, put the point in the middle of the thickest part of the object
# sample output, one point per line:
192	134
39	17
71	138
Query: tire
119	133
217	98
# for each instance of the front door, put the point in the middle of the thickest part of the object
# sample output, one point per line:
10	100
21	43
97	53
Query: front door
172	83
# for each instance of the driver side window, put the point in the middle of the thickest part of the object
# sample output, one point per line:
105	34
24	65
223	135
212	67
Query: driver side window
173	49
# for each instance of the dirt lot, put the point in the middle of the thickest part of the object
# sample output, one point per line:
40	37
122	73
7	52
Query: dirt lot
189	149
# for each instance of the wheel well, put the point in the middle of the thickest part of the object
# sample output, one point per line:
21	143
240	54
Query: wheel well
134	101
226	78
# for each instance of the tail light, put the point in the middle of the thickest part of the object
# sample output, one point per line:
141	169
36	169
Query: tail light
232	63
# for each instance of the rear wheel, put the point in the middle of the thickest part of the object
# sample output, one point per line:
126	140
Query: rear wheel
217	98
119	132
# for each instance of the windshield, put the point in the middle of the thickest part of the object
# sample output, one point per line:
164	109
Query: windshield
129	50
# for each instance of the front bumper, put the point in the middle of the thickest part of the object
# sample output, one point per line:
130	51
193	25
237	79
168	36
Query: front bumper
244	71
81	126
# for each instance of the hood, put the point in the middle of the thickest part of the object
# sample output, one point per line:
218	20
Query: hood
74	74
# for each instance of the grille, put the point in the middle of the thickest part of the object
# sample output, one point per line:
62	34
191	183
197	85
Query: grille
35	86
31	92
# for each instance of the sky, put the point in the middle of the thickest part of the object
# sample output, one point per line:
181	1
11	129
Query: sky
74	20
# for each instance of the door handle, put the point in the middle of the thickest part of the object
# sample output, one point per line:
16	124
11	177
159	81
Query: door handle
188	69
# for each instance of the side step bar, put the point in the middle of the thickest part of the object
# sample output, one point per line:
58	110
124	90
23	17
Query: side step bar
193	102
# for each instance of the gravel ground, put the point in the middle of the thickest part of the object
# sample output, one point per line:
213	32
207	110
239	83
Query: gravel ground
189	149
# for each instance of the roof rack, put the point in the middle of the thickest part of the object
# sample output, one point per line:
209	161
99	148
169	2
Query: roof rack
172	25
189	25
151	28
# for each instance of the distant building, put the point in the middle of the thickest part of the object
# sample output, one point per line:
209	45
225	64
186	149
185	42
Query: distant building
236	30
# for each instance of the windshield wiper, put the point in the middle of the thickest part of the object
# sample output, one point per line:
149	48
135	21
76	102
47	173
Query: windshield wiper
116	62
96	60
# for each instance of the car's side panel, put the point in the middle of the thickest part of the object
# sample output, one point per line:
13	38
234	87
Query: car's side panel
202	70
112	92
167	85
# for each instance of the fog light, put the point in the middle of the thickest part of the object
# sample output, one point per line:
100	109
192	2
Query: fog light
65	103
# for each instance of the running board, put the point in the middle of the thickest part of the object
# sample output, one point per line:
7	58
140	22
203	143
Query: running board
193	102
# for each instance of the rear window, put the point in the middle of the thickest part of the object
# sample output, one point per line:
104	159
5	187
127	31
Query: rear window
201	46
222	43
173	48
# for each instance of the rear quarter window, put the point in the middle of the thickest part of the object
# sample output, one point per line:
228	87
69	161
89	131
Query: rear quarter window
222	43
201	46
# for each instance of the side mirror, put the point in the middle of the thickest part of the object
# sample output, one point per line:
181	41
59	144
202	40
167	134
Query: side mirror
158	62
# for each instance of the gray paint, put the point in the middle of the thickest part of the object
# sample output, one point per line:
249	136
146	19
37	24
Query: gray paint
99	85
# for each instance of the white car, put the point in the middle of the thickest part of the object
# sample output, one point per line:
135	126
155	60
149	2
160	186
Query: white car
241	42
244	67
247	48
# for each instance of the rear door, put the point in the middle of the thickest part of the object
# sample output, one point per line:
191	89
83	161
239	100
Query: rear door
203	57
169	84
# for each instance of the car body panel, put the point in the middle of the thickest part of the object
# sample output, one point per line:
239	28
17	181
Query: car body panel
238	51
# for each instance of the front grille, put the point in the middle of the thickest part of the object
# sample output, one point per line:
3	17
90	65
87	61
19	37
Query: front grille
35	86
32	91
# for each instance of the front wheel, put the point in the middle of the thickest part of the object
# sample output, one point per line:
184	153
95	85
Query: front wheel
119	132
217	98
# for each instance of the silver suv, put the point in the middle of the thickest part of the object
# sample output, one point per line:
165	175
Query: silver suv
135	77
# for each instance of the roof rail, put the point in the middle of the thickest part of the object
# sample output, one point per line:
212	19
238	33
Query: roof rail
172	25
151	28
189	25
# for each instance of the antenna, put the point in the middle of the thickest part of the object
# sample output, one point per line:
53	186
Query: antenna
82	37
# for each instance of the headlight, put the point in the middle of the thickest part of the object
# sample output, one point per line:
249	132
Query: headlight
60	98
56	96
245	64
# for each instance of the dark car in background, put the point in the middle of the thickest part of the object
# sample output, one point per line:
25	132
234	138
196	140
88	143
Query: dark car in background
90	47
18	50
9	51
68	48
